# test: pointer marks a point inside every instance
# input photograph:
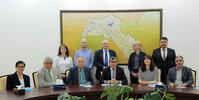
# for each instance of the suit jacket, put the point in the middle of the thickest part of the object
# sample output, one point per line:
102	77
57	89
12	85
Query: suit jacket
186	75
73	76
99	61
44	77
120	76
13	80
164	65
132	61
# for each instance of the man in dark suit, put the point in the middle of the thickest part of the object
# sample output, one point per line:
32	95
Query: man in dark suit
113	74
79	74
164	58
179	75
101	59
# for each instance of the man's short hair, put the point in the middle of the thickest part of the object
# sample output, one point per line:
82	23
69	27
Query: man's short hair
180	57
164	38
112	58
48	59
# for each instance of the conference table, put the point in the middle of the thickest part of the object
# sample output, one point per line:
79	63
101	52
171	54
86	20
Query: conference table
94	92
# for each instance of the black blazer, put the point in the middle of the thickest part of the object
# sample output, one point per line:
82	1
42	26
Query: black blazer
164	65
73	76
99	61
132	61
13	80
120	76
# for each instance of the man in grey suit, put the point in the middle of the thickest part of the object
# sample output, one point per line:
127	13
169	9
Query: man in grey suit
47	76
179	75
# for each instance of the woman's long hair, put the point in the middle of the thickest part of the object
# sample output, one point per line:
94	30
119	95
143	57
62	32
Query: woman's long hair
59	52
143	66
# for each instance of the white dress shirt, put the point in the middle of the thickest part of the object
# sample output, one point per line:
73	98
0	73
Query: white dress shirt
62	64
165	53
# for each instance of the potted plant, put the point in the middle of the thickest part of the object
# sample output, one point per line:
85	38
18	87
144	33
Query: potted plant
113	92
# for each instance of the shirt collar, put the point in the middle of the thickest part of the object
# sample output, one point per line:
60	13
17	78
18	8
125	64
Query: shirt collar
114	69
165	49
104	50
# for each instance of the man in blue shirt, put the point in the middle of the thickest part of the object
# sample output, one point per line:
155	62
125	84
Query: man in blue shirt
85	53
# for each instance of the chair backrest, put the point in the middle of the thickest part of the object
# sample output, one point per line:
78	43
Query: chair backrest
93	71
159	75
67	72
194	78
3	81
35	79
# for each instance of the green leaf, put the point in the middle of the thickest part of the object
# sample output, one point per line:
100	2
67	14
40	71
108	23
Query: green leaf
155	96
147	97
170	95
133	99
103	95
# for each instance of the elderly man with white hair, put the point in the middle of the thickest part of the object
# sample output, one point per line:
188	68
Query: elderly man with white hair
48	75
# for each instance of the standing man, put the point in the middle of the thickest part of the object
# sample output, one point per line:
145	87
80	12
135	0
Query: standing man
164	58
113	74
79	74
85	53
179	75
101	59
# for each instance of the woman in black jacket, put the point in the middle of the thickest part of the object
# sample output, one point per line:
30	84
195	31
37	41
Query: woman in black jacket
18	78
135	61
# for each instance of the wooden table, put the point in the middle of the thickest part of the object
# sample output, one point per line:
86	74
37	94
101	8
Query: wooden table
94	93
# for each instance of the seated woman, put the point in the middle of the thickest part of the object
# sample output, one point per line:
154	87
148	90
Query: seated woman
148	73
18	78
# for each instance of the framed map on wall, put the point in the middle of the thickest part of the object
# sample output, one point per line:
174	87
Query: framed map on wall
121	27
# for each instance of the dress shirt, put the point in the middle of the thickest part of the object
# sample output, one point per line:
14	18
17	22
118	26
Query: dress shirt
163	53
178	80
21	80
107	54
62	64
113	74
87	55
51	74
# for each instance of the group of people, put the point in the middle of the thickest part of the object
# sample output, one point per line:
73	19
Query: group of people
142	67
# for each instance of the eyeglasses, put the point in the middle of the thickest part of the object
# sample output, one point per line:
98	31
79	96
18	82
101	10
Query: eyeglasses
20	66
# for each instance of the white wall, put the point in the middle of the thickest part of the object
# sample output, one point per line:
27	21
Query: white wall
30	29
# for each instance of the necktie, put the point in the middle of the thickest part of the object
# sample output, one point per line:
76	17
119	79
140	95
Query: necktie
81	77
113	75
164	55
51	75
106	58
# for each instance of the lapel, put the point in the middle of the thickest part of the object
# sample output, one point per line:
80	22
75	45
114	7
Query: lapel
159	54
168	53
101	55
117	72
183	71
17	79
109	73
85	74
77	74
175	73
47	74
